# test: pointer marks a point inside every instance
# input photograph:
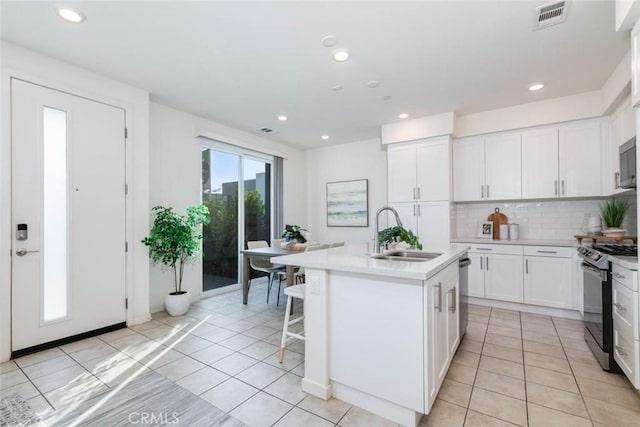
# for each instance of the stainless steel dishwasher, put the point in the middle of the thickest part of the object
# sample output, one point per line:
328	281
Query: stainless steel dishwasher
464	264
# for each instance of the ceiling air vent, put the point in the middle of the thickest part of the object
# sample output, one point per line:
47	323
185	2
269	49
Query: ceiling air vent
266	130
550	14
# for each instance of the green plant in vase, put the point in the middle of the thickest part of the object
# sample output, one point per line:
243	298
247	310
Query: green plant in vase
613	212
294	232
399	234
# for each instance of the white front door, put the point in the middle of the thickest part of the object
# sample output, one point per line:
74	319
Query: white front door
68	215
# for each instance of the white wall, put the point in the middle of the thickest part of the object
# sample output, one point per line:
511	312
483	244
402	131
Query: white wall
175	177
44	70
357	160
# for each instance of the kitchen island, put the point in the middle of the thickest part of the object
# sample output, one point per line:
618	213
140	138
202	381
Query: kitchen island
380	333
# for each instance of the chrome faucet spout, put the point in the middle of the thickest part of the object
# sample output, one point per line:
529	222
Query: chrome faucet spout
376	240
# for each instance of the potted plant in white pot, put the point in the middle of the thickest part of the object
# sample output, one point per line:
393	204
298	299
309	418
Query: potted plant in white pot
174	240
613	212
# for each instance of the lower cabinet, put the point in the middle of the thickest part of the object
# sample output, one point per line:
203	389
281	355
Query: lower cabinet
442	328
626	325
496	272
548	278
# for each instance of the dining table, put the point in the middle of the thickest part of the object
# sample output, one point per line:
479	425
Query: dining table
263	254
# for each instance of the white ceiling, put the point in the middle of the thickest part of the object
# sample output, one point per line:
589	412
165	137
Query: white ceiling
243	63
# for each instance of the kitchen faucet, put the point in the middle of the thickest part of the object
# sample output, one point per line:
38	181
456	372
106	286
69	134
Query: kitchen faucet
376	239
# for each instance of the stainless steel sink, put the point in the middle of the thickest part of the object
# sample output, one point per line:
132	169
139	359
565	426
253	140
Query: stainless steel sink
408	256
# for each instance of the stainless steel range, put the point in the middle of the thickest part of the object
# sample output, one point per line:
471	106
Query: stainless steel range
598	316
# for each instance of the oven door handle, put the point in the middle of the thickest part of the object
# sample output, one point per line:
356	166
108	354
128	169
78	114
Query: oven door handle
595	272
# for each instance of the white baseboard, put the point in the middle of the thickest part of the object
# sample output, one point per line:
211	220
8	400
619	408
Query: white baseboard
318	390
535	309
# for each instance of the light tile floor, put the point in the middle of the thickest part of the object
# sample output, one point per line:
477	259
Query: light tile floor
511	369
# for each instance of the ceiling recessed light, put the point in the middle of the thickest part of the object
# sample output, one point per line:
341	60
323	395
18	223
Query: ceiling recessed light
338	87
71	14
373	84
282	118
341	55
329	41
325	137
536	86
387	98
403	115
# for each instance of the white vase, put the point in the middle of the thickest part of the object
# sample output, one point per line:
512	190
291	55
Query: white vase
177	305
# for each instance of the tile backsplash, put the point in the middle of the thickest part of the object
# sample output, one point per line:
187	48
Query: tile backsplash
547	219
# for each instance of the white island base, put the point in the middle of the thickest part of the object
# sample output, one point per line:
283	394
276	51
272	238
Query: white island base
380	334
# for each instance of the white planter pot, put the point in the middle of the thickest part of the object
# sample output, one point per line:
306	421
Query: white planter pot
177	305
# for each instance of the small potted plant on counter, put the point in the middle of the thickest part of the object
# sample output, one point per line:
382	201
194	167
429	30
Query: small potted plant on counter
613	212
394	235
174	240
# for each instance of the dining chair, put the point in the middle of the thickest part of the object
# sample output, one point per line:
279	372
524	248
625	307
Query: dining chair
265	266
298	273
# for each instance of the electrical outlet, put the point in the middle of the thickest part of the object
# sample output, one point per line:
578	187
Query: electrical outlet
314	284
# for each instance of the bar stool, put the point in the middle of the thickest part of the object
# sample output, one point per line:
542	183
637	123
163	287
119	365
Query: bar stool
295	291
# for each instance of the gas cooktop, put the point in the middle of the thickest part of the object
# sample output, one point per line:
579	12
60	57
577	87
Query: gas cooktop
624	250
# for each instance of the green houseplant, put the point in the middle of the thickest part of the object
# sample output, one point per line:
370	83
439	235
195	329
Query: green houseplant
399	234
293	232
613	212
173	241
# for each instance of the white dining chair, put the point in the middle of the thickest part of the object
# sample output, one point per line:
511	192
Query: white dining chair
268	267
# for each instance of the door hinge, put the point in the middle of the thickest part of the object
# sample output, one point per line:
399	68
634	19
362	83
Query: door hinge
126	189
126	303
126	133
126	246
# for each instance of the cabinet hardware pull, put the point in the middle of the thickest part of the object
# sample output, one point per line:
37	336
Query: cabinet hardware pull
616	180
555	183
620	307
618	275
414	193
621	351
453	300
487	263
563	187
487	191
418	193
481	262
526	266
418	210
414	210
484	249
439	306
547	252
482	191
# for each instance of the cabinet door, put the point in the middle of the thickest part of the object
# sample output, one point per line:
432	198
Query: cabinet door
476	275
436	350
580	154
540	163
453	324
503	277
468	169
433	171
401	173
408	215
433	225
548	281
502	167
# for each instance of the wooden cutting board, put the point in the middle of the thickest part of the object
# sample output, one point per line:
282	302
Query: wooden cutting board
497	218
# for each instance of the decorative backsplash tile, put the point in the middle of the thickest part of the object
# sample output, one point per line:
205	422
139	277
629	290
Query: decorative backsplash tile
547	219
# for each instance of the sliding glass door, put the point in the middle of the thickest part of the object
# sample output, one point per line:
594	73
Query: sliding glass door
227	173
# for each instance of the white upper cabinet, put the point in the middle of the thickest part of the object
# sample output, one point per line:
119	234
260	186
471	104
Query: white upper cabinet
502	167
487	168
580	159
562	162
419	171
540	163
468	169
621	128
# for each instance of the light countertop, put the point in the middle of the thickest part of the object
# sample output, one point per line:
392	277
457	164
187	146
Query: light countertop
630	262
523	242
357	259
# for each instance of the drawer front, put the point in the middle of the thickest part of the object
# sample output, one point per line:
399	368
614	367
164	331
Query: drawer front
550	251
626	351
627	277
497	249
625	308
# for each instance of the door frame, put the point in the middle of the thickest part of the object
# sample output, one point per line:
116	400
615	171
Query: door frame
5	195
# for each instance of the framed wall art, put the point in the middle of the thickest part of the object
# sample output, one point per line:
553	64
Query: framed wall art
485	230
348	203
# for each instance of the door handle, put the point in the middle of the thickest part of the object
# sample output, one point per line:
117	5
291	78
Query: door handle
526	266
616	180
418	193
453	300
23	252
439	306
620	307
487	263
487	191
482	191
481	262
563	187
556	187
414	193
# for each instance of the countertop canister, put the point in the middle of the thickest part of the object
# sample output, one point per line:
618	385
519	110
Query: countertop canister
504	232
513	231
